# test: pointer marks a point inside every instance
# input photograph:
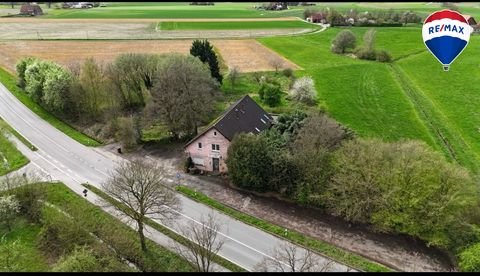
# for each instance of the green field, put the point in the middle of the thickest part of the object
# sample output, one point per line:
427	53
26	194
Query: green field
170	26
411	98
10	157
173	10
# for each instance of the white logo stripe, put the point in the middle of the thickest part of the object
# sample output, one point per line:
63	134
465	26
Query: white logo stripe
451	28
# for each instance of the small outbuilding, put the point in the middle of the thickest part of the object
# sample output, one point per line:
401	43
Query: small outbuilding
31	9
471	21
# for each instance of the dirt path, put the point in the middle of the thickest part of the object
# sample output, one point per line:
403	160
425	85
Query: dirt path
399	252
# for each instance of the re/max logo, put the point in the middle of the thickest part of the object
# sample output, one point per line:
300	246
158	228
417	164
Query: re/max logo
443	27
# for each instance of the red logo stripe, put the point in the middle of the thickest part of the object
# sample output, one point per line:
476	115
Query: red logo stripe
446	14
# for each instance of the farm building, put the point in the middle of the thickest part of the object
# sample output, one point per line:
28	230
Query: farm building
318	17
208	150
31	9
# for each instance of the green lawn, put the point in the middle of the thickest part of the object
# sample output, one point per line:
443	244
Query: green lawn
8	80
10	158
173	10
363	95
168	26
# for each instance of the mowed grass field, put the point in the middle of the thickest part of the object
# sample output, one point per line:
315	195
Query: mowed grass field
229	25
411	98
173	10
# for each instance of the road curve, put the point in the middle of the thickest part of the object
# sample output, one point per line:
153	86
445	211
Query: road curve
68	161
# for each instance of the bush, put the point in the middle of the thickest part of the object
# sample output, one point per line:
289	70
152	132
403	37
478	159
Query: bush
30	198
363	53
383	56
288	72
20	67
127	133
469	259
85	259
303	91
270	94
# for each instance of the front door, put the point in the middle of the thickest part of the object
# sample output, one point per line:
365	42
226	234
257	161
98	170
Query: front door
216	164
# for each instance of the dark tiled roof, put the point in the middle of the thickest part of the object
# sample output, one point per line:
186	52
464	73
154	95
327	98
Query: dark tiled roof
243	116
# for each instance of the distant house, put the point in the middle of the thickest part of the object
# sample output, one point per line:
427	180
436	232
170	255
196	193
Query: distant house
31	9
208	150
318	17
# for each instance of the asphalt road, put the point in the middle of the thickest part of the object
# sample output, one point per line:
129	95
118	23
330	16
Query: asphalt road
68	161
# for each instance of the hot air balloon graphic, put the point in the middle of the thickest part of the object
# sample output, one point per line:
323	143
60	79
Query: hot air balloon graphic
446	34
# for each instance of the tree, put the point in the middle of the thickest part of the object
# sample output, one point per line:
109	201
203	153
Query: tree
288	257
21	67
128	133
334	18
204	51
402	187
233	76
9	209
288	124
34	79
303	90
276	62
183	95
249	162
56	89
140	187
344	40
132	76
204	242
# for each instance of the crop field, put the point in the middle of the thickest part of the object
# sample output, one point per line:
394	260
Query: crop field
247	55
173	10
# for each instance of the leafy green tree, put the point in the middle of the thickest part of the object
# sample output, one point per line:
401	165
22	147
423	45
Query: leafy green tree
183	94
204	51
249	162
343	41
34	79
56	89
21	67
288	124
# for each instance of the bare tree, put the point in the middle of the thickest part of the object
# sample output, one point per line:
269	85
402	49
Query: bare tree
276	63
287	257
204	242
140	187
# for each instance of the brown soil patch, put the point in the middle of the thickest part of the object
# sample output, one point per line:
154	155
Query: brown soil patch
247	55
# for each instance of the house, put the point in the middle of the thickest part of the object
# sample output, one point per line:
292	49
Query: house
208	150
471	21
31	9
318	17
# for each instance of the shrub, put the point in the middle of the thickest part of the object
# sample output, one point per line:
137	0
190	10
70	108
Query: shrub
20	67
270	94
383	56
9	209
303	90
469	259
127	133
85	259
288	72
363	53
30	198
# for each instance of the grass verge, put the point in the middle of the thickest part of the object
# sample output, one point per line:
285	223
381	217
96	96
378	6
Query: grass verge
321	247
10	83
22	139
219	260
11	158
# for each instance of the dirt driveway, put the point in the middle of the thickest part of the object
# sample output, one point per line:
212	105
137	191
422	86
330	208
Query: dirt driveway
399	252
247	54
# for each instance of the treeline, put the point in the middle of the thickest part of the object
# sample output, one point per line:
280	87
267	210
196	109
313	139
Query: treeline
401	187
353	17
132	93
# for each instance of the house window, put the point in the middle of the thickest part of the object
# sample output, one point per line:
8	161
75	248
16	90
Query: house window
215	147
214	133
199	145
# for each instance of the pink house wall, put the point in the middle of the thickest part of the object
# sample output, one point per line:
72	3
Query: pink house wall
206	153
